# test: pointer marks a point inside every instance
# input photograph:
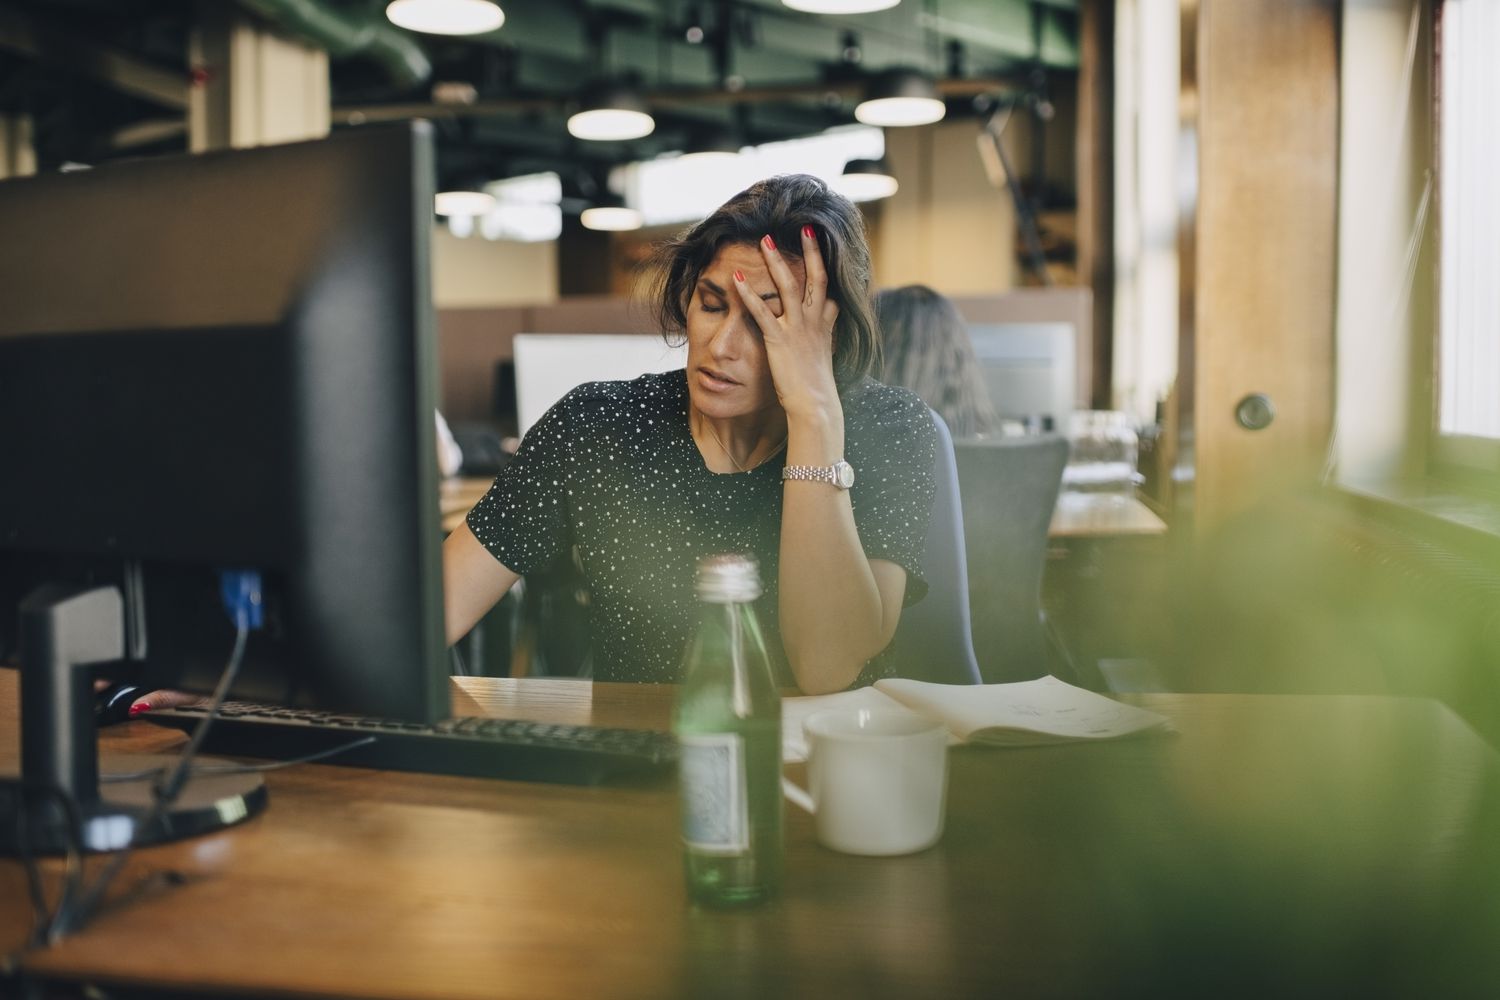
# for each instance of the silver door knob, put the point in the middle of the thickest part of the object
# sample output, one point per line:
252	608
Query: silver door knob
1255	412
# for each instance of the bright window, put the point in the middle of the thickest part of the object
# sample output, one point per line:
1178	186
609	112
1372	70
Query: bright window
1469	190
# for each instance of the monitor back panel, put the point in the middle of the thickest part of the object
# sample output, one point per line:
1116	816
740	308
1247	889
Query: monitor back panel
1028	368
549	365
227	361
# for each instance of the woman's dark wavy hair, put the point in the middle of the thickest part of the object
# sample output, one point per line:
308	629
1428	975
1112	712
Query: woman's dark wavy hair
780	206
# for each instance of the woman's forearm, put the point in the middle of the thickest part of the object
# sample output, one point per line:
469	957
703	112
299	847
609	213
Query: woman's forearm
833	618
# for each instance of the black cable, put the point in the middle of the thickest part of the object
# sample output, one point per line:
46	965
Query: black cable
311	758
43	916
279	764
123	776
39	908
164	794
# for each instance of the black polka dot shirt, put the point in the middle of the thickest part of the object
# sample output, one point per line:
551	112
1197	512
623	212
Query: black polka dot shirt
613	470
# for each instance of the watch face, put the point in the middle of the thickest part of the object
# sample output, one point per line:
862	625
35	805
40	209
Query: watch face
845	473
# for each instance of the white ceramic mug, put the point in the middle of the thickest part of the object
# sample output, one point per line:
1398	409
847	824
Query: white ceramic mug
878	780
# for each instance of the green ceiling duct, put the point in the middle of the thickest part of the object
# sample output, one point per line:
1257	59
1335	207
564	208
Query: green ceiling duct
348	33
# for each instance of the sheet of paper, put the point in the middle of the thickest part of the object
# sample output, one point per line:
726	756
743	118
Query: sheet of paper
1040	711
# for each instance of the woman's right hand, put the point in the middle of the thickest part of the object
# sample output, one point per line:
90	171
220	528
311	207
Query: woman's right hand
799	341
162	699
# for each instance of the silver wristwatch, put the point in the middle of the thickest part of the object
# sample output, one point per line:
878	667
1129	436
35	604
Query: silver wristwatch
840	474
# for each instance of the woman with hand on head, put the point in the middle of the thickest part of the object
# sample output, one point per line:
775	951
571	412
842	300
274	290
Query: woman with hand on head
645	477
773	442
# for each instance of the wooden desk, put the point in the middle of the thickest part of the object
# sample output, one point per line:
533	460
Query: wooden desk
1311	846
1103	515
1076	516
457	495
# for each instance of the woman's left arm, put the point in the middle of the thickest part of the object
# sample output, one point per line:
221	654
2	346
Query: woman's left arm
838	608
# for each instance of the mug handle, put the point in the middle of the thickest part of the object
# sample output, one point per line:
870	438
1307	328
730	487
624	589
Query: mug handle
798	796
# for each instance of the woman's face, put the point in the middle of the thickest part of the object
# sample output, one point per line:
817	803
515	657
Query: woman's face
727	372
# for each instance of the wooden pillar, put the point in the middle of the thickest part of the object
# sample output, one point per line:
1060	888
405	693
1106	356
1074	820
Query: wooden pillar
585	260
1261	89
17	153
252	86
1095	167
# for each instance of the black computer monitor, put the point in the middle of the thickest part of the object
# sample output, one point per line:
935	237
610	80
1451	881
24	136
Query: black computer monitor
226	361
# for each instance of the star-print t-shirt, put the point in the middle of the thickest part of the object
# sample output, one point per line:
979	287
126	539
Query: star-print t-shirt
612	469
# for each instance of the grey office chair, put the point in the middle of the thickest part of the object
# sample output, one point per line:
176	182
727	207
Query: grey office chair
933	641
1010	488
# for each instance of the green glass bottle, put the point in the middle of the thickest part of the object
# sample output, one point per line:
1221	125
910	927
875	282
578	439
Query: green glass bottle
728	723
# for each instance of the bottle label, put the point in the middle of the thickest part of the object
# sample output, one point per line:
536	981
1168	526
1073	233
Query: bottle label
715	816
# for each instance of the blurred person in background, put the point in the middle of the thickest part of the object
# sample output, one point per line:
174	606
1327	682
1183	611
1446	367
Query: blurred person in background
927	350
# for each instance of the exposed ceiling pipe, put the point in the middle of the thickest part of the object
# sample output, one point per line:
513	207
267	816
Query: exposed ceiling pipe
667	100
348	33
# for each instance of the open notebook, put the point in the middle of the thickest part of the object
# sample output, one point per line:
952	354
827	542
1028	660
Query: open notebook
1025	713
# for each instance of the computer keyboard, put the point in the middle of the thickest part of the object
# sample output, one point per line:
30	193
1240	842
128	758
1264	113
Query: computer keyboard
470	746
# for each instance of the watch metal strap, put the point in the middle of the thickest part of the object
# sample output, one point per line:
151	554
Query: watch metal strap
811	473
840	474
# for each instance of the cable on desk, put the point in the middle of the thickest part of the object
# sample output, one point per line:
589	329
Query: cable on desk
242	598
278	765
43	916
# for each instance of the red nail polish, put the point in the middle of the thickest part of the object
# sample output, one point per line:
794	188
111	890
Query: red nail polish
138	708
739	277
770	243
808	232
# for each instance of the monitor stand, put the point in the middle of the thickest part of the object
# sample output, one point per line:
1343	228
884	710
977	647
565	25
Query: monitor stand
64	631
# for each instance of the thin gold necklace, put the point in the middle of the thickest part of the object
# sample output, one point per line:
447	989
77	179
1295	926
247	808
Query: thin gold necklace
730	455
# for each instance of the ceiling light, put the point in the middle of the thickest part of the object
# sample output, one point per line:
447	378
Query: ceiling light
463	200
865	180
900	97
611	112
840	6
610	218
609	214
446	17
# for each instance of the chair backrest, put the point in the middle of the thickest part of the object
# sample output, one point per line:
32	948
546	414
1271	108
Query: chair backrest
933	641
1010	488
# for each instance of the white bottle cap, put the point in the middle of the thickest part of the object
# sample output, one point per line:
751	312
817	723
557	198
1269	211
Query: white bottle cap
728	579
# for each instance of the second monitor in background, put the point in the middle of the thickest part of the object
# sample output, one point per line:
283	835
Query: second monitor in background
549	365
1029	369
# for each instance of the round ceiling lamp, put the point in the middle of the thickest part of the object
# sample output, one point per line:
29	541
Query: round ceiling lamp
610	215
611	112
899	98
463	199
866	180
610	218
446	17
840	6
